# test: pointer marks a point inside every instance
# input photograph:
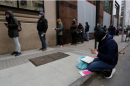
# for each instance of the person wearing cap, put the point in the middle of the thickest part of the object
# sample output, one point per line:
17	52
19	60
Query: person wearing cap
107	54
87	31
73	28
12	25
42	26
80	31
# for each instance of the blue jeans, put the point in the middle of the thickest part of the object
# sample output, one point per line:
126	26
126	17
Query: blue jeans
87	36
43	40
99	65
81	37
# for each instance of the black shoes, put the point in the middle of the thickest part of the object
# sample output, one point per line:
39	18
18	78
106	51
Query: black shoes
109	74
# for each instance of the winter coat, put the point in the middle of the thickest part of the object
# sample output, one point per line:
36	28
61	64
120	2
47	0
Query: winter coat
111	30
12	25
86	28
73	28
59	29
108	50
80	27
42	25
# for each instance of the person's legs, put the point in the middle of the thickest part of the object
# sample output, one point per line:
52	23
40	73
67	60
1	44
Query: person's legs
44	42
72	34
17	44
40	33
81	37
75	38
98	65
87	36
60	40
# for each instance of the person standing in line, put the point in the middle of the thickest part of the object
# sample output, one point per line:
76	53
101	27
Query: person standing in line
112	30
73	28
87	31
80	31
59	32
13	33
42	26
105	29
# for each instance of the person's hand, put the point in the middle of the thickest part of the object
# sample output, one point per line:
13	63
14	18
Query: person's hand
55	28
94	51
44	33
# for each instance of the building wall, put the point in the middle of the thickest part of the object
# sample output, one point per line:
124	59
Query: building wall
115	22
87	14
28	37
106	19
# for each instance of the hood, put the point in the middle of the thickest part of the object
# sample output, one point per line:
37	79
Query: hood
108	37
10	12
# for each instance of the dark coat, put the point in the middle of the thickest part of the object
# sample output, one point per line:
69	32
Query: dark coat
12	25
73	28
80	27
86	28
111	30
42	25
108	50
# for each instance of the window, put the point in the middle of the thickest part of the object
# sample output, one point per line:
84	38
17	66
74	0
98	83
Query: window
107	6
25	4
93	1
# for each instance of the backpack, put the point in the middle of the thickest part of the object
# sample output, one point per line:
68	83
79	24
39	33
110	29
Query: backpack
19	26
81	64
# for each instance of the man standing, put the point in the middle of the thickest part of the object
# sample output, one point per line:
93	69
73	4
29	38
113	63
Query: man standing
112	30
42	26
80	31
87	31
73	28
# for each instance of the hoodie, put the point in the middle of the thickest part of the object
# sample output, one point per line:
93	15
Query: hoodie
12	25
108	50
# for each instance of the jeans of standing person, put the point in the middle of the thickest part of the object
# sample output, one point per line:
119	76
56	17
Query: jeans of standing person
59	40
81	37
98	66
16	43
74	38
43	39
87	36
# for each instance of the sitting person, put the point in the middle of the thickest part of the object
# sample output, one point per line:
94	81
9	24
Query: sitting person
107	54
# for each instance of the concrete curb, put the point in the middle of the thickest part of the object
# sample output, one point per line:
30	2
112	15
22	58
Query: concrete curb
85	82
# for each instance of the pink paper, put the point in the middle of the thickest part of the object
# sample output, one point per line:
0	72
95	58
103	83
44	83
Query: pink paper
87	72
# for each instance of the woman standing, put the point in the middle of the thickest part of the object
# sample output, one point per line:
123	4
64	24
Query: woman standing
12	25
59	32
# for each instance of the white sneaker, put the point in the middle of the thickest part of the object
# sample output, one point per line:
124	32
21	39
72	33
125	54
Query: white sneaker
111	73
61	46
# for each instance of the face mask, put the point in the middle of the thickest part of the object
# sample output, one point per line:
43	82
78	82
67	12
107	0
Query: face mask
39	15
7	16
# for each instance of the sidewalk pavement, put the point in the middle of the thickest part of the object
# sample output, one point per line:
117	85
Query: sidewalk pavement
19	71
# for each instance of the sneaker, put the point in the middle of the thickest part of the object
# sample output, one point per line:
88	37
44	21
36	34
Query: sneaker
40	49
18	54
109	74
14	53
61	46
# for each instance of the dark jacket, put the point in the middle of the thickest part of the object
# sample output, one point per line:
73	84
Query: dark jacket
73	28
111	30
12	25
80	27
86	28
108	50
42	25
